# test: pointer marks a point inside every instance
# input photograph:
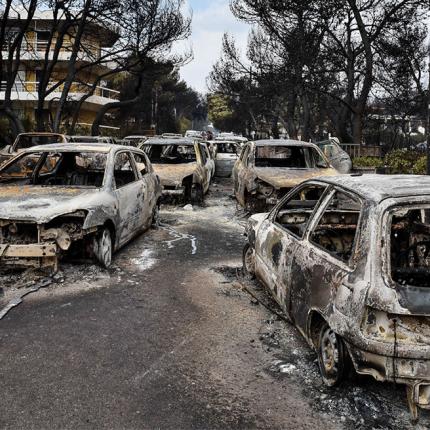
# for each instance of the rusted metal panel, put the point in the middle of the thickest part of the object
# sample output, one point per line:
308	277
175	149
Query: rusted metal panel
30	251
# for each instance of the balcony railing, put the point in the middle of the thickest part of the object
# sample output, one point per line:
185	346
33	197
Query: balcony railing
76	88
39	47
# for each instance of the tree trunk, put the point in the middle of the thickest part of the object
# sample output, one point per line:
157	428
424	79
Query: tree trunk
95	129
357	128
15	121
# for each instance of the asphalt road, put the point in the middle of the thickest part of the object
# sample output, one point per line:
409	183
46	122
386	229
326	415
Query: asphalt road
167	338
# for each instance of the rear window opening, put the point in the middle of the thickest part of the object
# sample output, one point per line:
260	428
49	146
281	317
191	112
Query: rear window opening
227	148
410	247
170	154
295	157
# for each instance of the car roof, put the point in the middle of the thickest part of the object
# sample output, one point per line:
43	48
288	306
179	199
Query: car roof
41	133
167	141
283	142
380	187
81	146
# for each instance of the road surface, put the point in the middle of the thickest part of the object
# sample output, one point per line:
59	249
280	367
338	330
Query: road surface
167	338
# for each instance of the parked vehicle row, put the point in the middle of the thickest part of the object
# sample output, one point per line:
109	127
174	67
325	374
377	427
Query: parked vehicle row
347	257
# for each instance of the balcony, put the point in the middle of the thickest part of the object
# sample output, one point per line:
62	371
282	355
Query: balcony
27	92
34	50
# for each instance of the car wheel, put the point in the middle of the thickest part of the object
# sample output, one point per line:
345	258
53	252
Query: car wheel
197	194
251	204
248	259
103	248
332	358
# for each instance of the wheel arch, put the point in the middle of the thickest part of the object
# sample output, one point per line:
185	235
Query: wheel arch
315	321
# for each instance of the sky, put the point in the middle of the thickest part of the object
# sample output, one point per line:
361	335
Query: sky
211	19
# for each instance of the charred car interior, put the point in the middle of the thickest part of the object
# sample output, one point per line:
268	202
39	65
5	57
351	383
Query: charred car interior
289	156
410	246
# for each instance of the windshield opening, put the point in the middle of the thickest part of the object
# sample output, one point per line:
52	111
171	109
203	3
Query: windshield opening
83	169
28	141
295	157
170	154
410	246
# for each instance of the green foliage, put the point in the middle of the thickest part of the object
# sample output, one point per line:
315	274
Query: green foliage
368	162
402	161
184	124
420	167
219	110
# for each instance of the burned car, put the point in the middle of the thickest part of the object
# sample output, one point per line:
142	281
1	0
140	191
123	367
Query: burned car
268	169
61	198
183	165
28	140
225	154
338	158
348	260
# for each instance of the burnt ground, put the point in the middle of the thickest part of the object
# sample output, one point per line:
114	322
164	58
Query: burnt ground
168	338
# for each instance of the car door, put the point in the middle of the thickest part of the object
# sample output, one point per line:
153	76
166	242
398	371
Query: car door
204	169
280	237
129	191
242	172
210	161
206	160
322	266
149	187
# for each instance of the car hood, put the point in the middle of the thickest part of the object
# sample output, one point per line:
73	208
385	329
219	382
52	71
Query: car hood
41	204
174	174
284	177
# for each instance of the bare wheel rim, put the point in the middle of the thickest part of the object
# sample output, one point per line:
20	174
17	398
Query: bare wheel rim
249	260
330	353
105	248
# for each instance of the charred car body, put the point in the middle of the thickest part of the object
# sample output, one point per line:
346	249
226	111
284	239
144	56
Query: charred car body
268	169
28	140
348	260
185	167
94	197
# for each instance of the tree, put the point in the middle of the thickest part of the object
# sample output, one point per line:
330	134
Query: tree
150	27
168	104
315	61
11	41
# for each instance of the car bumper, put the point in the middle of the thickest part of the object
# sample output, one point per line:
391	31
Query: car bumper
31	255
414	372
174	191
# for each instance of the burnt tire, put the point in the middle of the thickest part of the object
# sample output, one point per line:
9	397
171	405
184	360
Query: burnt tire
156	215
252	205
197	195
332	357
103	247
248	261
